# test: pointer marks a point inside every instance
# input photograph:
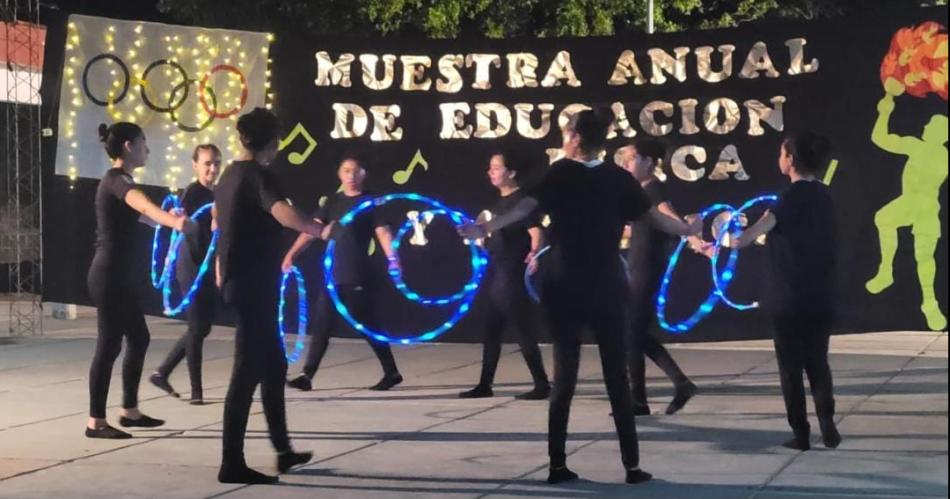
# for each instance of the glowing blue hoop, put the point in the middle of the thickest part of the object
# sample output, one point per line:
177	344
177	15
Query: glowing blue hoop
301	313
464	305
469	287
170	201
169	272
724	278
708	304
528	285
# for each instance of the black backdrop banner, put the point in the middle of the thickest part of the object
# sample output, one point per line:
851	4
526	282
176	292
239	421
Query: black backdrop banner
427	115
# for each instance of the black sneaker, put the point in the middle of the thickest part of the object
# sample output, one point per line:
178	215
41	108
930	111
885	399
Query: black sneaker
142	422
830	435
107	432
479	392
244	475
388	381
161	382
289	459
539	393
301	382
682	396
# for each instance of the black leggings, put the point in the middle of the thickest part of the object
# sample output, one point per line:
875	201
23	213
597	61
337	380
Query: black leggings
801	344
567	317
508	305
118	316
200	315
644	286
326	319
258	360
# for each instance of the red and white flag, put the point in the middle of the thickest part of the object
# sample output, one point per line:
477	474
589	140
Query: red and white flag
21	62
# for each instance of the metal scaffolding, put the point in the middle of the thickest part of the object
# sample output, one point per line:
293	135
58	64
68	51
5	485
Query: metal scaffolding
21	169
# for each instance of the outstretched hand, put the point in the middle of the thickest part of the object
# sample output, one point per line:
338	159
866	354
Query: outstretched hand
473	231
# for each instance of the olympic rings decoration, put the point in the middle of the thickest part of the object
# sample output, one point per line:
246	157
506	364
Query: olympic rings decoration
170	201
189	128
479	262
125	82
722	279
170	309
144	85
301	313
175	102
204	83
469	287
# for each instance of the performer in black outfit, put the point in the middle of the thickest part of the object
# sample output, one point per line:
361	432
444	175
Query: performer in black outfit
250	211
647	258
510	249
118	207
589	202
353	274
800	288
206	162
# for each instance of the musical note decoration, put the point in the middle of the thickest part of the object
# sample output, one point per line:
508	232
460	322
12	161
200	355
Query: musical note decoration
402	176
297	158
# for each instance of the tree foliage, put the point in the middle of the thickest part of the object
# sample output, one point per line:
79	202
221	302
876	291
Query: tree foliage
503	18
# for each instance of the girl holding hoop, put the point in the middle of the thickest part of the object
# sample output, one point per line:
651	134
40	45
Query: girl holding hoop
511	249
206	162
589	202
799	290
119	205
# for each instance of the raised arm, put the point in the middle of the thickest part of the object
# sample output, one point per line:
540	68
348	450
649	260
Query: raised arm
142	204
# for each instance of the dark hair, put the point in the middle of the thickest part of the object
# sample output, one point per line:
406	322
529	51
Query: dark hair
810	151
205	147
114	137
650	148
354	157
516	159
592	126
258	128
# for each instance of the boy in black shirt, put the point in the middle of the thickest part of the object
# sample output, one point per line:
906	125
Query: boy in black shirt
250	212
646	260
352	273
799	289
510	249
589	202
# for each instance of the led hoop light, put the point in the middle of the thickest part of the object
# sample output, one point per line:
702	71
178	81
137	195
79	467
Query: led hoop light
170	201
328	263
708	304
172	310
301	313
469	287
528	285
724	278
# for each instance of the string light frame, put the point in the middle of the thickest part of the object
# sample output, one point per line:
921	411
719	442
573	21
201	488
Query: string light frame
464	305
478	263
144	73
302	313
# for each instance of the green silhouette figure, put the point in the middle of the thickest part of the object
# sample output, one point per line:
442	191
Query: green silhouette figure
918	205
